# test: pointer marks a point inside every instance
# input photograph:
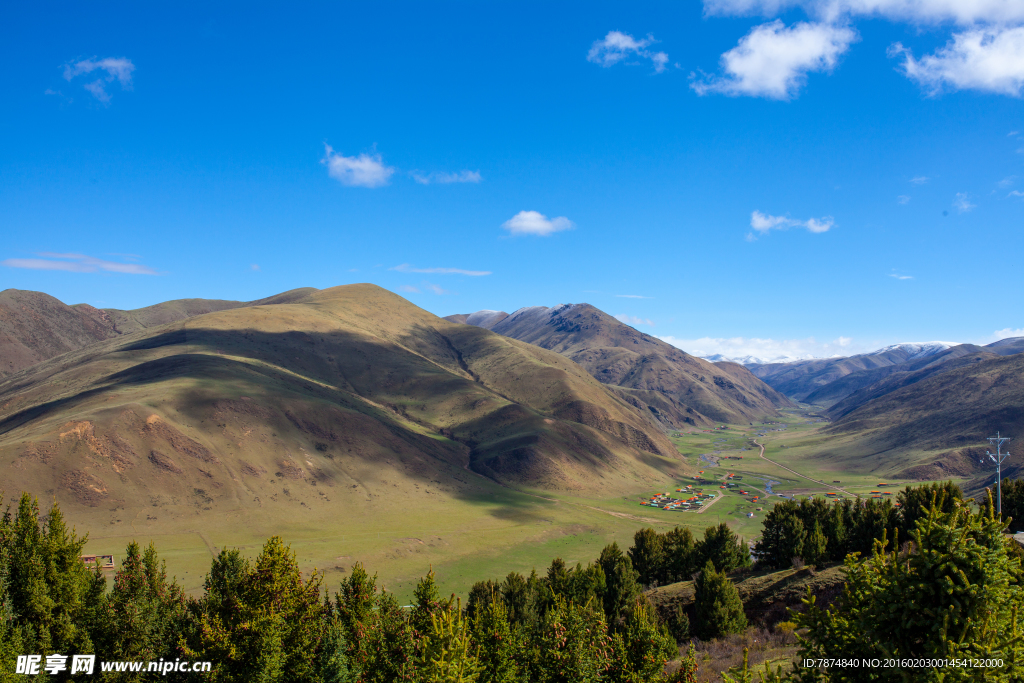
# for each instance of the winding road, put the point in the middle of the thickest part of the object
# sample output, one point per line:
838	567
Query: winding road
802	476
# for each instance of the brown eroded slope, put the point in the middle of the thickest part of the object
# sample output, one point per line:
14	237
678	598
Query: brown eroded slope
350	398
36	326
679	389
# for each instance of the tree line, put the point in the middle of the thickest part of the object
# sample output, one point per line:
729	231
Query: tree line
263	620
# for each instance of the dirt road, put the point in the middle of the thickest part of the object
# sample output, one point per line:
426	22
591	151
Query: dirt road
802	476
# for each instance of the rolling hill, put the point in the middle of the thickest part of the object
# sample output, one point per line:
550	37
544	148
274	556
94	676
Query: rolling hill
677	388
36	326
350	396
944	417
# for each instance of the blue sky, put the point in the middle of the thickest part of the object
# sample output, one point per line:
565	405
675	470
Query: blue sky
738	176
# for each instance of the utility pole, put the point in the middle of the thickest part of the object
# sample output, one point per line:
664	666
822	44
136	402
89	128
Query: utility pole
998	460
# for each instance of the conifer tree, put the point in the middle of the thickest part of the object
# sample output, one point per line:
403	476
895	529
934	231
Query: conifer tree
643	647
449	654
621	587
647	556
574	645
718	610
680	555
951	595
501	654
144	612
723	548
815	545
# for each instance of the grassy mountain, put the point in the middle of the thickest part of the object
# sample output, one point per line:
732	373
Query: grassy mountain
676	387
852	390
944	417
349	397
36	326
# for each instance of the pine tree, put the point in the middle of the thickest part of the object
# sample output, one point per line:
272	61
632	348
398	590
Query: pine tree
815	545
680	555
501	652
647	556
953	595
718	610
782	538
621	587
261	621
144	612
643	647
723	548
449	655
427	601
574	645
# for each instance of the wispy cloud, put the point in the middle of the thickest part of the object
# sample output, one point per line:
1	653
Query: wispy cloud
963	202
77	263
406	268
617	47
443	178
768	349
112	69
365	170
254	266
1015	193
633	296
536	223
408	288
633	320
920	180
903	199
764	223
987	59
898	276
773	61
1006	182
435	289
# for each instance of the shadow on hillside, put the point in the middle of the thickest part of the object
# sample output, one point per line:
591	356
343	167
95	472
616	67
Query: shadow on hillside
389	380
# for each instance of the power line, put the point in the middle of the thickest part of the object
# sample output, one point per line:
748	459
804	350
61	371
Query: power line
998	460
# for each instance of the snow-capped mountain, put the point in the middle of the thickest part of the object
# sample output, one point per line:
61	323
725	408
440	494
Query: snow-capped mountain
916	349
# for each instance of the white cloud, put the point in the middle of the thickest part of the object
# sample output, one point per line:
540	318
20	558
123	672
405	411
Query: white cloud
1007	333
903	199
443	178
434	288
963	12
986	59
617	46
362	171
77	263
633	320
963	203
901	277
632	296
1015	193
773	61
1006	182
768	349
254	266
764	223
536	223
408	288
406	268
115	69
920	180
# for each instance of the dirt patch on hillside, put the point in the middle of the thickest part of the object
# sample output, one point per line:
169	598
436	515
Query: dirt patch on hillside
87	489
179	442
962	462
163	462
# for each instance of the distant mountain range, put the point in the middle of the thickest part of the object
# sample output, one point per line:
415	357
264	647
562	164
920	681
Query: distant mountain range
679	389
915	349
